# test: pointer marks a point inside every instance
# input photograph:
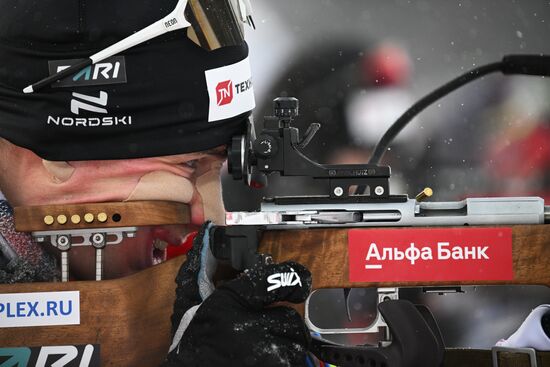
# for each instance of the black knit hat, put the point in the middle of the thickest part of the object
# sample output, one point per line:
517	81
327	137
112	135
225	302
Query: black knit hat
167	96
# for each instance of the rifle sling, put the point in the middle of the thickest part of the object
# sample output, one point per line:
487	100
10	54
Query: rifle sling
484	358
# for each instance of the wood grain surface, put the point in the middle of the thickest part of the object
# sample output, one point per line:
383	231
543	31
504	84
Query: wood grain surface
325	253
129	214
130	317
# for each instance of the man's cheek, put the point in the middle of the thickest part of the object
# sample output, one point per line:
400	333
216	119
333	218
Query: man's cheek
162	185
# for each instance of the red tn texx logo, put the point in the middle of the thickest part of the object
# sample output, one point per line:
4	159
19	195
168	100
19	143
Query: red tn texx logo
224	92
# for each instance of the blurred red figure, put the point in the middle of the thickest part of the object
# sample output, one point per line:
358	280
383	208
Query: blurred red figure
523	160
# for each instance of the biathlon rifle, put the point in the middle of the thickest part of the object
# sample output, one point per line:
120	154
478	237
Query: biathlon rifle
508	235
341	236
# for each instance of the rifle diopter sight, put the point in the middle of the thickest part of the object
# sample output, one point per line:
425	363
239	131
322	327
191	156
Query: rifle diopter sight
279	148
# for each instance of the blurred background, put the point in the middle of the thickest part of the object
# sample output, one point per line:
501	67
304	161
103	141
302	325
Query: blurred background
356	65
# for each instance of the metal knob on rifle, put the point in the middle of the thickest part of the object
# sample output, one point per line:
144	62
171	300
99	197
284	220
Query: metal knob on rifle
266	146
236	157
286	107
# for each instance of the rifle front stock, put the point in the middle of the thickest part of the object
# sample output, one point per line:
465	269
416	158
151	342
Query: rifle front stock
130	317
325	253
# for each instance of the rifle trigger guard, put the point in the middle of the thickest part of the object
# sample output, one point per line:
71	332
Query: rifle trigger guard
416	341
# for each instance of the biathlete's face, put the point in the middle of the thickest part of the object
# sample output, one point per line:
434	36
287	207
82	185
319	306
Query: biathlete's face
27	180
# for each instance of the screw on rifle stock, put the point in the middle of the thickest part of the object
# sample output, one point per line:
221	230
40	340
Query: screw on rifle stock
267	259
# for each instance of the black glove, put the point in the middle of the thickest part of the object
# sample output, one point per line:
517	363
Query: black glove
233	326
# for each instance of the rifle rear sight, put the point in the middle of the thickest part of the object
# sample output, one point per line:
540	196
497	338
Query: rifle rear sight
279	148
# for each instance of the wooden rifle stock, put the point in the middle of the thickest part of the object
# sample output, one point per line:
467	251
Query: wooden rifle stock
325	253
130	317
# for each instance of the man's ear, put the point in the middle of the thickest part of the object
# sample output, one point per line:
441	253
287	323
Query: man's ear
59	171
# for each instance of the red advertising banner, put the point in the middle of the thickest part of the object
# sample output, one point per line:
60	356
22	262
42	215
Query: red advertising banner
426	254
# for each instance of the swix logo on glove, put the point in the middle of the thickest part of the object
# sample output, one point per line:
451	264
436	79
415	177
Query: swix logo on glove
450	254
230	91
283	280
